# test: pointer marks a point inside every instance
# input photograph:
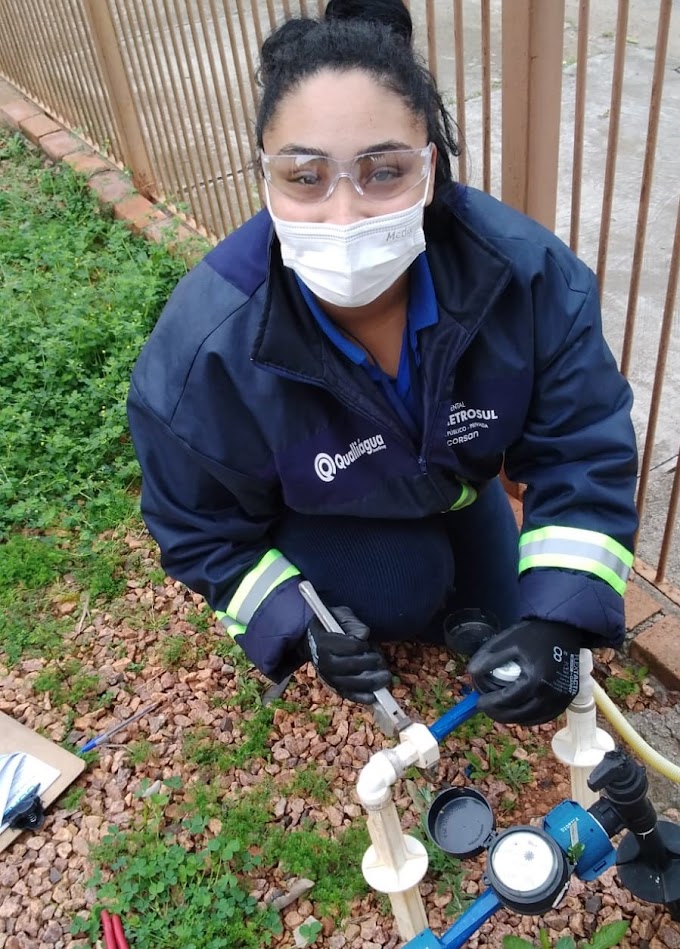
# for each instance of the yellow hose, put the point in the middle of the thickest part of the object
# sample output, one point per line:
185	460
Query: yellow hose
644	751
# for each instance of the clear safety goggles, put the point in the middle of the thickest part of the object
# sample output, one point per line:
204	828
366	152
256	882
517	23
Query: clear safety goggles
376	176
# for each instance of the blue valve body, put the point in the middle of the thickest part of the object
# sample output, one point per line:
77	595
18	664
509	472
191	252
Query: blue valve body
568	823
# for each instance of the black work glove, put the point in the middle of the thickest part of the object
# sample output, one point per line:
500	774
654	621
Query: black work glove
547	654
347	663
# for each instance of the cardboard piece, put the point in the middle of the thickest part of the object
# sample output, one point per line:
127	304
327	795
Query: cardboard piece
17	737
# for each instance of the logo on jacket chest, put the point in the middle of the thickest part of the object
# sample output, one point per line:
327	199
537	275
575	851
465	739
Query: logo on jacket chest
326	466
464	423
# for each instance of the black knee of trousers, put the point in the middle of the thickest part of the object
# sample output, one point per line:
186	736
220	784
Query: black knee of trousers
395	575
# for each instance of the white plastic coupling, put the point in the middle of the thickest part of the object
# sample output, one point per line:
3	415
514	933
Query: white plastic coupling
376	779
418	746
423	743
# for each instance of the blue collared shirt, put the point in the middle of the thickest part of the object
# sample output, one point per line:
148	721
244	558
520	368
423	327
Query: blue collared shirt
402	392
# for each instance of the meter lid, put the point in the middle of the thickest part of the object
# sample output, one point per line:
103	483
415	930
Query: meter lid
460	822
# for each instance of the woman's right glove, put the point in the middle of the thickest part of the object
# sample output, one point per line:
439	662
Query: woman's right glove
547	654
347	663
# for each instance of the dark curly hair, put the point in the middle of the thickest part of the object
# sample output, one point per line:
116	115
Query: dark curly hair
370	35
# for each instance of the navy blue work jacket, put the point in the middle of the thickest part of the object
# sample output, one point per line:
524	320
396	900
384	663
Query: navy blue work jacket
240	406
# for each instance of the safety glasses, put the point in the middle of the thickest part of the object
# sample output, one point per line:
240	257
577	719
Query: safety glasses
376	176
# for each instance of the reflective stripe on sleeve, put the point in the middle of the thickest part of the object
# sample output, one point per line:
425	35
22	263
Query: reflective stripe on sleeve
257	584
573	548
234	629
468	495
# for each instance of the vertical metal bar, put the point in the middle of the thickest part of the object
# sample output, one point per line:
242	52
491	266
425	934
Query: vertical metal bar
86	117
303	8
459	46
532	84
431	37
286	10
206	150
41	88
121	95
219	131
36	54
57	87
150	107
271	14
255	10
244	160
579	123
320	7
190	182
168	137
239	73
661	359
647	174
200	177
93	85
10	54
246	49
670	527
613	139
486	95
226	125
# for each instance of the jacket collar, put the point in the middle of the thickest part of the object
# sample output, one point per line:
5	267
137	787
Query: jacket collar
468	273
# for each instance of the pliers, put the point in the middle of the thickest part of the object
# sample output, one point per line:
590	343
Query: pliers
114	937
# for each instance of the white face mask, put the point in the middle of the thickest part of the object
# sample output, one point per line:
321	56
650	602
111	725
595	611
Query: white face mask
350	265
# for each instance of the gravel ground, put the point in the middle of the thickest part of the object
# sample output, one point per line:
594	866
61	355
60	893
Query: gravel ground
43	877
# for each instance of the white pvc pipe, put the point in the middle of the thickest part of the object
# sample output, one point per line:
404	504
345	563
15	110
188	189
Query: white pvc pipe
395	863
582	745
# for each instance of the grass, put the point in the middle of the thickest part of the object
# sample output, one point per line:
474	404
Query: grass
625	683
79	295
312	782
66	682
177	892
500	763
605	937
179	883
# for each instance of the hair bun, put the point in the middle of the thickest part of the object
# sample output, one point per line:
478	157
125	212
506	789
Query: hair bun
390	13
276	48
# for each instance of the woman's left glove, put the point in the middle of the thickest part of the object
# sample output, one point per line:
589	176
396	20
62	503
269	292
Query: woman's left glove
547	654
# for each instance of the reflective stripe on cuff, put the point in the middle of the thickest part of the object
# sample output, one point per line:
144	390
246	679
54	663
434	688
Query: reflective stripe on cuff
234	629
573	548
257	584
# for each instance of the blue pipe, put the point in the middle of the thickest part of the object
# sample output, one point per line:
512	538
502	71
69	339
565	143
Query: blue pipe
457	935
455	716
482	909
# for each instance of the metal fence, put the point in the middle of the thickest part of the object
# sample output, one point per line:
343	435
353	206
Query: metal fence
167	88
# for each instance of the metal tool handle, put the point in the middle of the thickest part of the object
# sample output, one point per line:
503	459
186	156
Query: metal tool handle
388	714
322	613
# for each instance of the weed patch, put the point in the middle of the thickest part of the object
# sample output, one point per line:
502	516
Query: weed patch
79	296
66	682
334	863
626	683
178	892
501	763
605	937
312	782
